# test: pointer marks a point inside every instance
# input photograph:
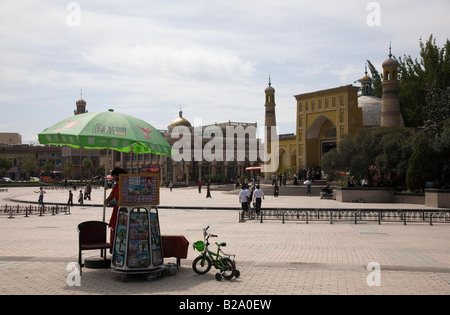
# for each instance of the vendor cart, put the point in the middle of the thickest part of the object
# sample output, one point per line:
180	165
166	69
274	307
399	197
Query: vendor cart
137	245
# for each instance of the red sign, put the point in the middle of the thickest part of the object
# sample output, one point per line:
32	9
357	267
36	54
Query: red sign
149	168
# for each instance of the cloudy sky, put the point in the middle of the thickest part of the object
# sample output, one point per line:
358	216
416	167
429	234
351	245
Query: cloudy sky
211	57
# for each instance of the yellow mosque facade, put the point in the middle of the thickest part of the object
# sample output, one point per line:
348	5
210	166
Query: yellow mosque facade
324	118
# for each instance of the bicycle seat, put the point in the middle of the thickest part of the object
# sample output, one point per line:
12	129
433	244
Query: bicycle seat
221	244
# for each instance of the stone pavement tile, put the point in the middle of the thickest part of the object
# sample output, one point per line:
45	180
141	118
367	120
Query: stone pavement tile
274	258
178	197
35	278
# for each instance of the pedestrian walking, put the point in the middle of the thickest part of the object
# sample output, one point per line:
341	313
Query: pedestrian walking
80	197
199	187
170	185
208	191
243	199
70	201
308	187
41	193
295	179
249	196
258	194
276	190
87	191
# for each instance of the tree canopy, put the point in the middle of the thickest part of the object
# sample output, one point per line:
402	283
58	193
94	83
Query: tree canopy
419	77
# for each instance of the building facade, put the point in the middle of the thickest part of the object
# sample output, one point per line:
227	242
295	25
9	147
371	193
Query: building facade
203	153
41	154
325	117
10	138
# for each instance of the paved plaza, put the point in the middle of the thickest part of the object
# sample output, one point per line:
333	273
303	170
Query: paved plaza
38	252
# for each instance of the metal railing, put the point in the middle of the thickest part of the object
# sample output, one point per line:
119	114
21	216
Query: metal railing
348	215
14	210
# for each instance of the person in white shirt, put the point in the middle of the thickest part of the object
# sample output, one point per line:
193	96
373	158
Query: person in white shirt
243	198
41	193
258	194
365	182
249	196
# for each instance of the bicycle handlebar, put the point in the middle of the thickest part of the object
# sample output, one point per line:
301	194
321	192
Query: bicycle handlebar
208	235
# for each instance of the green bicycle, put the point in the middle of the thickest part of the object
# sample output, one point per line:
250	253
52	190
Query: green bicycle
202	264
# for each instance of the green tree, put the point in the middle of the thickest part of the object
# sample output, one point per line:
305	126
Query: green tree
441	147
384	150
421	164
396	147
29	164
377	80
437	111
48	166
87	165
5	165
100	171
418	77
68	169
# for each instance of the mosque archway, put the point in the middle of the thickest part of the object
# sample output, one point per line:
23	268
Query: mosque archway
321	137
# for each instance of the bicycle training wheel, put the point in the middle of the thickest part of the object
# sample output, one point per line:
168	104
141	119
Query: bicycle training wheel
201	264
229	268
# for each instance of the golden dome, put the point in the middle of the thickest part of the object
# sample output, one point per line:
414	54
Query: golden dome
180	121
366	78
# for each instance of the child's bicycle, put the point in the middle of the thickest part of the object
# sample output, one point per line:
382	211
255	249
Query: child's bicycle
202	264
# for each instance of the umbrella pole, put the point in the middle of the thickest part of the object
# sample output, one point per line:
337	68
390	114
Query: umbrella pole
105	183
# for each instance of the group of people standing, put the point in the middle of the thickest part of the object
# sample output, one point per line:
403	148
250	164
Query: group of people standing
246	196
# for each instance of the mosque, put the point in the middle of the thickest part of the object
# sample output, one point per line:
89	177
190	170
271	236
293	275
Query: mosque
325	117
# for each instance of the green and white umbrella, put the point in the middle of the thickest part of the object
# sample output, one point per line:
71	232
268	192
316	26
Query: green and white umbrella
107	130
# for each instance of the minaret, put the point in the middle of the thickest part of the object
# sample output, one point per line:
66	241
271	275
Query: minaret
390	105
81	105
270	113
270	130
366	85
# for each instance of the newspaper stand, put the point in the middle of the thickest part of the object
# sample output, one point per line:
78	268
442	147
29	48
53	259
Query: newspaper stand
137	245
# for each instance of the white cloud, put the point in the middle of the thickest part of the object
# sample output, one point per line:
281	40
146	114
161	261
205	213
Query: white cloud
213	57
198	62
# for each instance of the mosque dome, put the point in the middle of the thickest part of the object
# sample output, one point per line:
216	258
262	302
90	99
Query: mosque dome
180	121
270	88
390	63
371	110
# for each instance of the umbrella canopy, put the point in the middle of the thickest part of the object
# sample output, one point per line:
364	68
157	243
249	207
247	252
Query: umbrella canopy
107	130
